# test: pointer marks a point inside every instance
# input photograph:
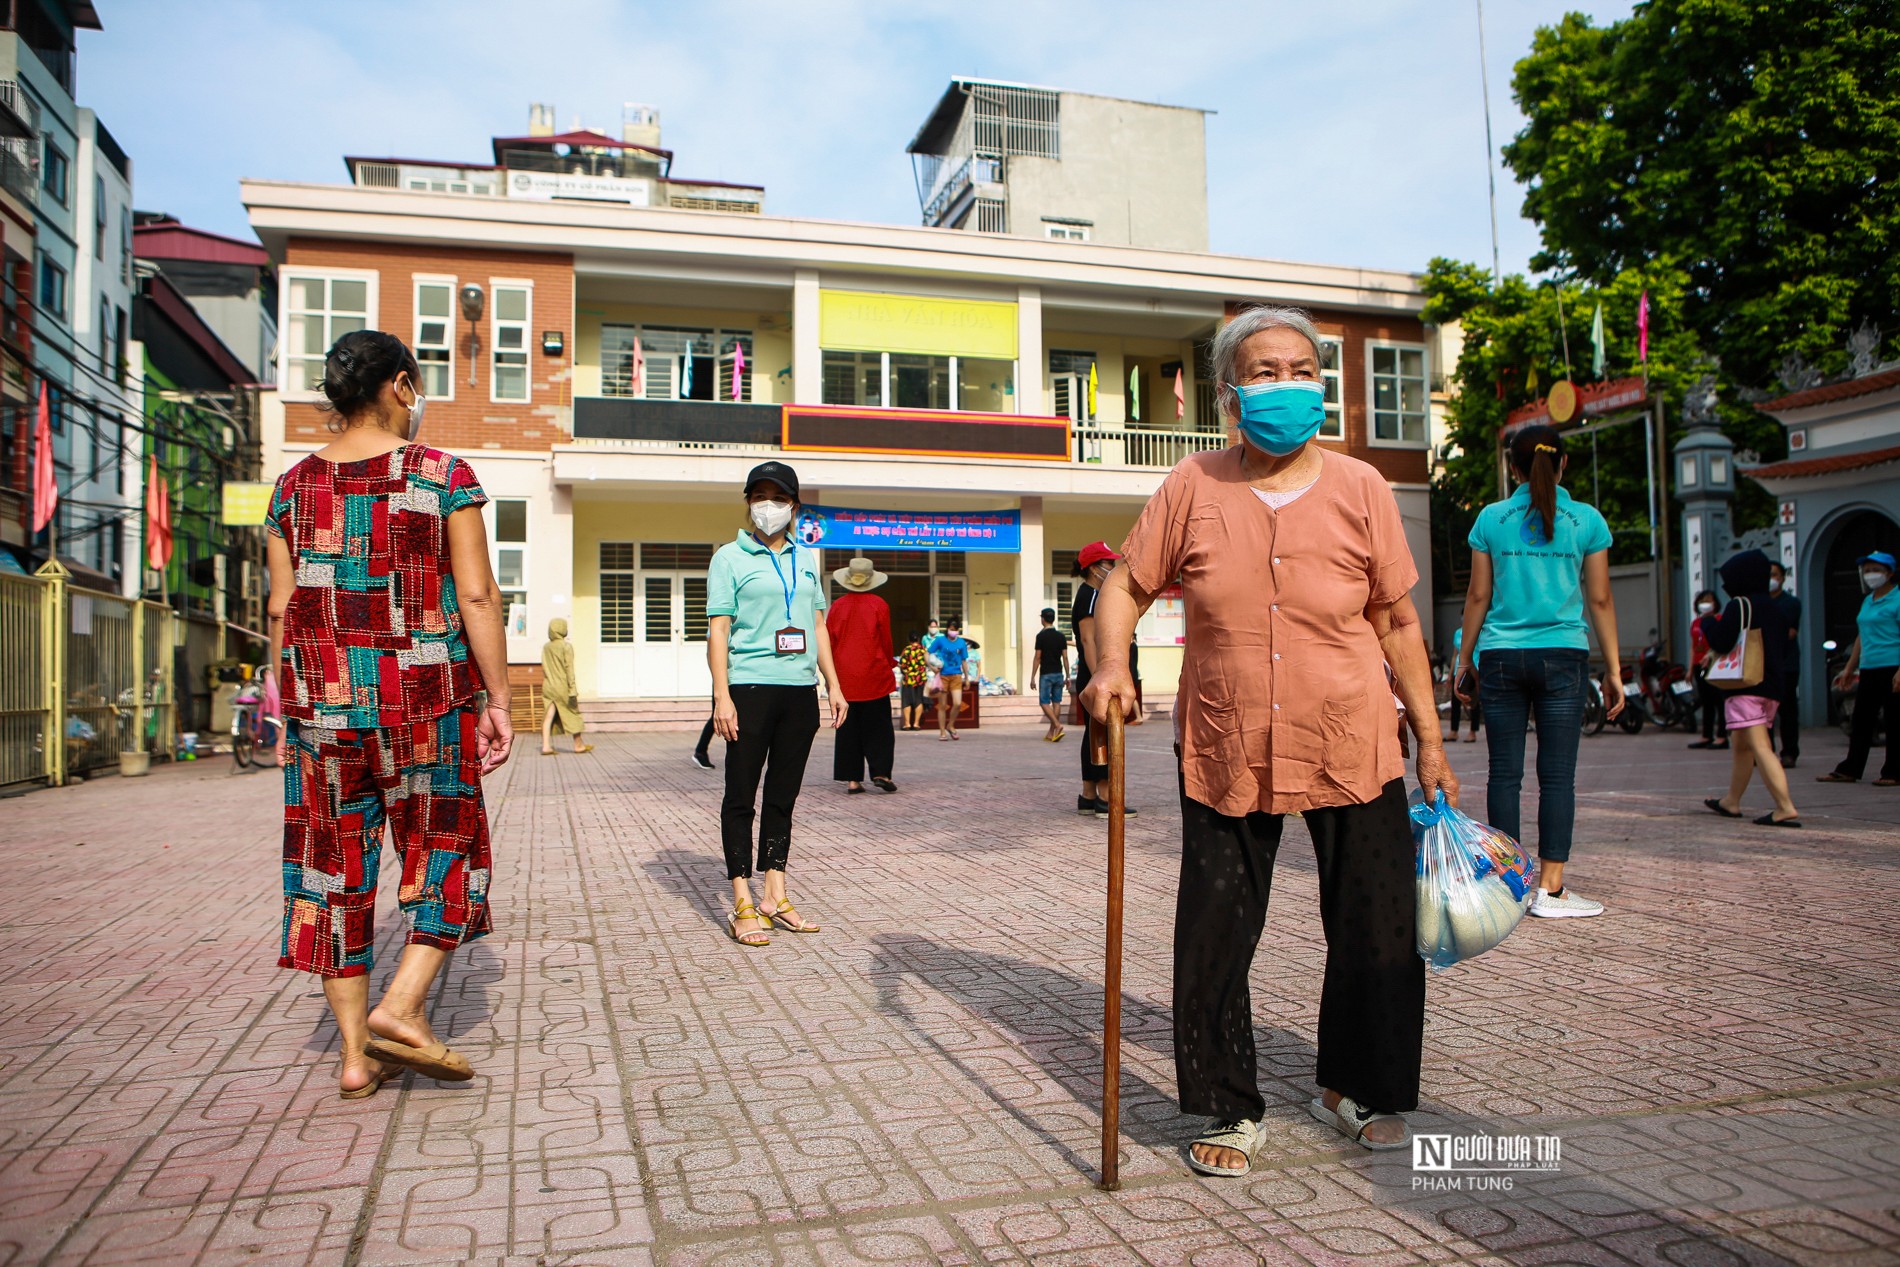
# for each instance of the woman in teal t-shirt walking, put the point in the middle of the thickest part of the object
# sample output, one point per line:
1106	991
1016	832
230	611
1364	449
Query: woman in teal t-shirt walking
1535	557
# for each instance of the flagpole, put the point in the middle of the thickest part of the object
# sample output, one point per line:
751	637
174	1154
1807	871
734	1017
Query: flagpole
1490	150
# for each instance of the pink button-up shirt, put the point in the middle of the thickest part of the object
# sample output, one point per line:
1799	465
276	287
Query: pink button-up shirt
1284	703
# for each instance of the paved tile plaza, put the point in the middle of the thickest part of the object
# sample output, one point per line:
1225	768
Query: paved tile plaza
1719	1057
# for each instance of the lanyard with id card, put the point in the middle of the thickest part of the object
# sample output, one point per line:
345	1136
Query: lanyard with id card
791	639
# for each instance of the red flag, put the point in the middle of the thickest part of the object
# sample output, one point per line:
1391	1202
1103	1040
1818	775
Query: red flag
1642	328
1180	394
45	491
158	519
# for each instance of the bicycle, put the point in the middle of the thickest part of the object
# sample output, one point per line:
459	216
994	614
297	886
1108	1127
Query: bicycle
251	727
1595	714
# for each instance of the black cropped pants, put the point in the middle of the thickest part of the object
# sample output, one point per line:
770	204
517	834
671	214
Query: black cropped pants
776	727
1372	1005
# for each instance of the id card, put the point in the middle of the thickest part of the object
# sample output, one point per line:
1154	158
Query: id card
791	641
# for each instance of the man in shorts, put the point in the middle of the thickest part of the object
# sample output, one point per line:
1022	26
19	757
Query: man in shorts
1052	666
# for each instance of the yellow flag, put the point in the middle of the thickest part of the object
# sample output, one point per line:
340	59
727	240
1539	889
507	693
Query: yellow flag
1091	389
1530	384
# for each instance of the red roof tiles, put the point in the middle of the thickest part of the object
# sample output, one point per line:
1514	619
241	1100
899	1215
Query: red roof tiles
1824	466
1847	389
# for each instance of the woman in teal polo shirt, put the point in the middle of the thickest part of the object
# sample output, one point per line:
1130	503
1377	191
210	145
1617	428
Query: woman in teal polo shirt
767	647
1875	660
1535	557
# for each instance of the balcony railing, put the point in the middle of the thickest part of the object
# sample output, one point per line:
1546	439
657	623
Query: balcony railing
696	426
1122	446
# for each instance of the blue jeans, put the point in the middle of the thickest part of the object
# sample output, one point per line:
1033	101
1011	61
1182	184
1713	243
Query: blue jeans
1551	682
1049	688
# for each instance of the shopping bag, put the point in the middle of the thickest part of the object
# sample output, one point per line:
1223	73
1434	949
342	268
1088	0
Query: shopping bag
934	685
1741	664
1474	883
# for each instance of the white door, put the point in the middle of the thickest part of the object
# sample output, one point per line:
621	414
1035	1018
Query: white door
670	622
619	648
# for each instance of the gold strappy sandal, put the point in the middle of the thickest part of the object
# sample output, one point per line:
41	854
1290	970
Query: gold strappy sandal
748	911
777	919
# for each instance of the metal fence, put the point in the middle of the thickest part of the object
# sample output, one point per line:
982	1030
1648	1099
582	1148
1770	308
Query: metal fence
92	669
1119	446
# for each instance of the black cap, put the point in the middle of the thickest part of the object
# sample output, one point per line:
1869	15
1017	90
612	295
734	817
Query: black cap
779	473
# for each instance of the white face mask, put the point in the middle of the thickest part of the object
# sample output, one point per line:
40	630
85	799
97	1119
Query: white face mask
1873	578
1774	586
770	518
415	412
1705	608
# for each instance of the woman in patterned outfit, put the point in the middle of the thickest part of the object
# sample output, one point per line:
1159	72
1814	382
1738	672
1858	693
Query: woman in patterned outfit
386	627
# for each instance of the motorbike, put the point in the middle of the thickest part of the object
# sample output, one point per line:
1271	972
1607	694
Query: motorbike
1667	693
1594	712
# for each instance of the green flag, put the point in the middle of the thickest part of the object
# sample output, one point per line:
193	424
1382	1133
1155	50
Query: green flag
1596	337
1134	392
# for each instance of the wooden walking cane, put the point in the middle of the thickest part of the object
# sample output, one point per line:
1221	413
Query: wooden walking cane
1116	759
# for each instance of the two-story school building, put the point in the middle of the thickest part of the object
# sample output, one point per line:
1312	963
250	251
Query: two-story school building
968	408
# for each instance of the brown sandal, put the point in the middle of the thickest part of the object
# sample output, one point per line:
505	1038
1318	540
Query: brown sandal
375	1084
437	1060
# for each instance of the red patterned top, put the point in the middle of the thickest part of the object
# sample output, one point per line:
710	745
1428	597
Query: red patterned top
373	635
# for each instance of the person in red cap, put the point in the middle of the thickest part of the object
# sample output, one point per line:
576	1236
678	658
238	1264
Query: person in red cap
1093	563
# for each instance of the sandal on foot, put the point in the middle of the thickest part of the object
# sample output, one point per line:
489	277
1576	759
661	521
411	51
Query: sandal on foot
1887	782
436	1060
1769	820
1242	1135
884	784
748	911
776	919
374	1085
854	791
1715	804
582	748
1835	776
1351	1121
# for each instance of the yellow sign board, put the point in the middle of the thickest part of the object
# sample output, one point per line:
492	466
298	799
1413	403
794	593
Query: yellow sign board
246	503
866	321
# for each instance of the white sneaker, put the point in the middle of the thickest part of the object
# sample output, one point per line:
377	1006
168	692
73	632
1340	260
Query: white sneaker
1570	906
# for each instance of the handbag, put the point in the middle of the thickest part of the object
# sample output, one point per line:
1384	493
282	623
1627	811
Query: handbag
1741	665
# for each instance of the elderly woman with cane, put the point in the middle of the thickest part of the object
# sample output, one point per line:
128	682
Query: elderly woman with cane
1296	577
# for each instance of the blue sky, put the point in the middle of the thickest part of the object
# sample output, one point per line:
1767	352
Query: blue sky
1345	133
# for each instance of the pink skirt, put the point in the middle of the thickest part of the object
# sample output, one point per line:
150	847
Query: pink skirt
1743	711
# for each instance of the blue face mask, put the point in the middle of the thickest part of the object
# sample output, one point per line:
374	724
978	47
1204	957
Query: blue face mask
1280	417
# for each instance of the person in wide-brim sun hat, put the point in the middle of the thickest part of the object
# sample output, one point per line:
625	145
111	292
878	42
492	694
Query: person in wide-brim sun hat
860	627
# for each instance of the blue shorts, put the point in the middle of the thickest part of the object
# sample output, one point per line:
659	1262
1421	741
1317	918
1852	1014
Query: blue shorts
1049	688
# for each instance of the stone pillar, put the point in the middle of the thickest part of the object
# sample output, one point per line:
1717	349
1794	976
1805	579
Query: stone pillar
1031	576
1029	353
808	361
1704	480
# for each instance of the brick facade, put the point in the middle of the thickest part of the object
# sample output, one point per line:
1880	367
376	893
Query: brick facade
471	421
1399	465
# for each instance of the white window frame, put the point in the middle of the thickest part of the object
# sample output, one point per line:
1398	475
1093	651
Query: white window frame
285	356
1064	231
492	513
1372	422
1334	428
448	344
495	326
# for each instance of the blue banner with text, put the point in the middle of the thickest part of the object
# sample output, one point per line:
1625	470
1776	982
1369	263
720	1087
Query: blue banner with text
977	531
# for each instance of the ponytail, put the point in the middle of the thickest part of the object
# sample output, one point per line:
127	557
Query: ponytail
1536	455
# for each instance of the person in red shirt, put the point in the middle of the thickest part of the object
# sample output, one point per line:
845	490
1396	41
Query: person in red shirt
860	627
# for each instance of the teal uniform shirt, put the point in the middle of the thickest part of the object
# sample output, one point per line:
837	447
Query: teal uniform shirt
764	592
1879	623
1537	581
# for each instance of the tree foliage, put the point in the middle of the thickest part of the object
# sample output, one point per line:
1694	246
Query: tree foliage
1752	146
1513	352
1737	159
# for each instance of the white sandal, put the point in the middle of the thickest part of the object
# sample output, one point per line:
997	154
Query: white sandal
1351	1120
1242	1135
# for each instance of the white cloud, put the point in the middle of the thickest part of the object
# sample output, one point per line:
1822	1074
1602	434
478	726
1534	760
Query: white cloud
1347	133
